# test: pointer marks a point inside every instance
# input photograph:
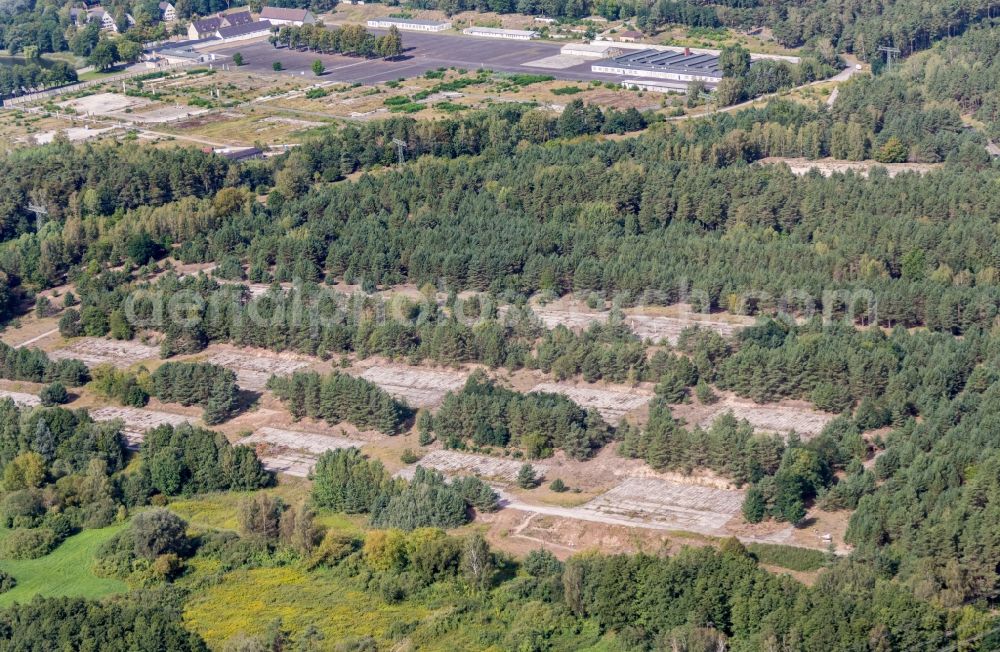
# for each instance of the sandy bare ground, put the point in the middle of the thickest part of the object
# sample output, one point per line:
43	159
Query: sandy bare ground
455	463
828	166
656	512
93	351
612	404
653	323
21	399
137	421
418	386
254	368
293	452
782	419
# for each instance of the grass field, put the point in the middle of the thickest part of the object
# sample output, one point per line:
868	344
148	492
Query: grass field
64	572
248	601
219	511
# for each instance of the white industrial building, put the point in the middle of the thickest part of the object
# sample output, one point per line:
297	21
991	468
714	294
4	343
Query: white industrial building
409	24
493	32
656	85
285	16
672	66
244	32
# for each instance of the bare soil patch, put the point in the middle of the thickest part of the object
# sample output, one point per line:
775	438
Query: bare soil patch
21	399
671	504
662	328
613	405
649	323
454	463
293	452
417	386
253	369
137	421
828	166
782	419
93	351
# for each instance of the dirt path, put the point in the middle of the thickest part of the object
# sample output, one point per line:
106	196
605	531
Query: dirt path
37	338
577	513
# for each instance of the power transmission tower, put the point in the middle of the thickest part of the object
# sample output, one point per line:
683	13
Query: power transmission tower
400	146
40	211
890	54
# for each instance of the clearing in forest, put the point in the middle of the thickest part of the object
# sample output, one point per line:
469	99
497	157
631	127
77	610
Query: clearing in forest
660	327
773	418
611	404
672	505
293	452
137	421
93	351
418	387
647	327
21	399
254	369
454	463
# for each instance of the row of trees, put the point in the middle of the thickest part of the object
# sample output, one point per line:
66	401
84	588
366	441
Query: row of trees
34	365
338	397
18	79
62	472
349	39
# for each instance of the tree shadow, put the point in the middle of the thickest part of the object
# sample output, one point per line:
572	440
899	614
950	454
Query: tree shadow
247	399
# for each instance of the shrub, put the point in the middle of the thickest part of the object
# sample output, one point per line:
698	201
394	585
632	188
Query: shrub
7	582
53	394
29	543
22	508
558	486
158	532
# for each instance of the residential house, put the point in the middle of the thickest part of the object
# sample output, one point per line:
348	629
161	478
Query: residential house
167	12
207	27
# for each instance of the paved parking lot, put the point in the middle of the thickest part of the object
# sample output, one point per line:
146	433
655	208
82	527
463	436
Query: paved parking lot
423	52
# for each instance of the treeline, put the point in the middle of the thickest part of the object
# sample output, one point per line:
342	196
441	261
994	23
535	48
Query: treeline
837	367
141	620
19	79
338	397
77	182
61	473
726	586
484	414
346	481
350	39
962	72
35	366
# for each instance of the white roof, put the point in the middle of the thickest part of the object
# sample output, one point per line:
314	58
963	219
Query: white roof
496	30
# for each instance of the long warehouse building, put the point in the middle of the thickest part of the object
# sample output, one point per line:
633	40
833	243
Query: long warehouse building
410	25
674	66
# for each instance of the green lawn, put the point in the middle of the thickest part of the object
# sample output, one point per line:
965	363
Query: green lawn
64	572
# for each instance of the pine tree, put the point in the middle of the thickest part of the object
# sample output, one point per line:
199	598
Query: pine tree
526	477
222	403
754	505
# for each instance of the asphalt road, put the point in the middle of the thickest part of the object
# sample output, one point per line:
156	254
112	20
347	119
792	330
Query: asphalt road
423	52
